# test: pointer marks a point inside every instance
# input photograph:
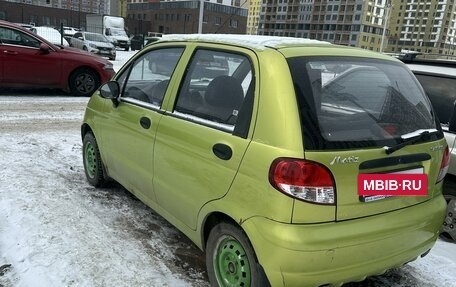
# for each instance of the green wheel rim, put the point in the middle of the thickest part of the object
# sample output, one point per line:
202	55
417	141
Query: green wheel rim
231	264
90	160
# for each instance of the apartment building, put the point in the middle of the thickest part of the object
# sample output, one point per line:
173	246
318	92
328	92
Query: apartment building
423	26
182	17
346	22
253	19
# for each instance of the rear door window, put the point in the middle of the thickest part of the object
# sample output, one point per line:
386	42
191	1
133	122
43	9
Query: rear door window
215	89
350	102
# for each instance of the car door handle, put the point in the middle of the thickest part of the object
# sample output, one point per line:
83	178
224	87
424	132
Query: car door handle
10	52
222	151
145	122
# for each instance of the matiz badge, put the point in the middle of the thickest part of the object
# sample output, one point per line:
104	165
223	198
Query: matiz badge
343	160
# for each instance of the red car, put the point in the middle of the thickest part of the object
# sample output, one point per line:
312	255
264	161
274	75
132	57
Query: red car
29	61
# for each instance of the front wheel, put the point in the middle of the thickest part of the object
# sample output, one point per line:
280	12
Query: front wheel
230	259
93	166
83	82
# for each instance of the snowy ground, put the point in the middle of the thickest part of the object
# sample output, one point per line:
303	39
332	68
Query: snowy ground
56	230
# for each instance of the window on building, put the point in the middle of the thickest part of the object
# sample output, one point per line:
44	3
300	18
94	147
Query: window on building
233	23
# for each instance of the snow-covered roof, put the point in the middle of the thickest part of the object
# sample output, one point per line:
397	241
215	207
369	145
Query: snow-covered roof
252	41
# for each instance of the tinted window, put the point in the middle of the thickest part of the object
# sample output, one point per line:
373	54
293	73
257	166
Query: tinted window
346	102
441	91
215	88
149	75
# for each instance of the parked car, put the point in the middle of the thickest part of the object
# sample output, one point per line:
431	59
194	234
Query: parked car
149	40
136	42
68	33
29	61
50	34
26	26
94	43
259	166
438	78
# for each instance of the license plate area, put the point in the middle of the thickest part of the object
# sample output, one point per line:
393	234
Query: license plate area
377	186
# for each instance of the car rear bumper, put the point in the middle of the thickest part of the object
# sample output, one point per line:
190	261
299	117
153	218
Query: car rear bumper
336	253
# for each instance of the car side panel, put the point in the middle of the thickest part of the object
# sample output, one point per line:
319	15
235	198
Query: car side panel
128	146
76	43
28	66
187	172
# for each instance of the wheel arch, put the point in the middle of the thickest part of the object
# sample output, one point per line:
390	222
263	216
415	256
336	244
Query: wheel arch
210	222
215	218
85	128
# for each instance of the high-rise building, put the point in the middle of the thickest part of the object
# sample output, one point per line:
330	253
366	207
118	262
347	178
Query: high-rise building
423	26
347	22
253	19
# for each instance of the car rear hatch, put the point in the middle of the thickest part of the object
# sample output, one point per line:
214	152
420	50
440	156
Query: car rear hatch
345	167
366	116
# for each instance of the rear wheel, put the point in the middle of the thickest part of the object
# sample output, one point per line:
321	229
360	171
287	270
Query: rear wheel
83	82
93	166
230	259
448	230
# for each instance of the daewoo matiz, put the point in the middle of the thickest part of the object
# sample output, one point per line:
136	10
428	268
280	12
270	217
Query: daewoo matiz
258	163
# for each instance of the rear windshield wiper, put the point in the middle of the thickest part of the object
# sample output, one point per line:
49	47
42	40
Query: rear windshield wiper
411	138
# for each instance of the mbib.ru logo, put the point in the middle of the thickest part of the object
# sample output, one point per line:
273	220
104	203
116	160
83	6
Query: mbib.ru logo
392	184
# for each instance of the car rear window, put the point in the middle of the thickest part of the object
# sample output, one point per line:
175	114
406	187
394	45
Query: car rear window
352	102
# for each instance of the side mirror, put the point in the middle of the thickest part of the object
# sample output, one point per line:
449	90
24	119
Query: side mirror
452	123
110	90
44	48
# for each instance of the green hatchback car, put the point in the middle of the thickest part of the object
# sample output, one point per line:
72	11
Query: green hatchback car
288	161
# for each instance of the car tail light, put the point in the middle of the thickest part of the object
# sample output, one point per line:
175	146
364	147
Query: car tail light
304	180
444	165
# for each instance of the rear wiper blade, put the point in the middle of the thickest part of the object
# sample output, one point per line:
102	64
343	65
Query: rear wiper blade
410	139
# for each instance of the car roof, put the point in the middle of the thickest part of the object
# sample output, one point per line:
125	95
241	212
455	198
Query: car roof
250	41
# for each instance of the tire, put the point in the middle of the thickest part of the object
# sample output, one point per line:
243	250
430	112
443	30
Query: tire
448	230
85	48
112	58
83	82
127	48
230	259
93	166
